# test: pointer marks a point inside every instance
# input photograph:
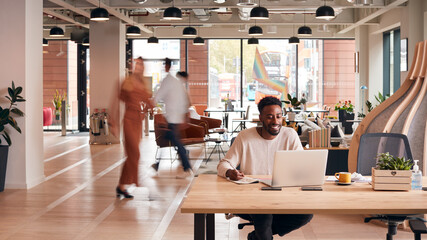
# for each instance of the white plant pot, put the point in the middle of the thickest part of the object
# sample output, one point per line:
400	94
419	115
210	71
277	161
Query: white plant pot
291	116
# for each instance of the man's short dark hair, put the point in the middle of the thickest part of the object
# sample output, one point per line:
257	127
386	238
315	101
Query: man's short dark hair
183	74
269	100
168	62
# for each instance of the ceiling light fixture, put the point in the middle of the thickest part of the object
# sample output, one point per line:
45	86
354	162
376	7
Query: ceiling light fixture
304	31
153	39
325	12
259	13
133	31
172	13
45	42
255	31
99	14
198	41
189	31
85	41
293	39
253	41
56	32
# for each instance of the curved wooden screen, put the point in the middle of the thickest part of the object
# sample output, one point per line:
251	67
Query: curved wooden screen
404	112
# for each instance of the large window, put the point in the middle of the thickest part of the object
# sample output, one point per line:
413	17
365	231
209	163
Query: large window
224	71
319	70
154	55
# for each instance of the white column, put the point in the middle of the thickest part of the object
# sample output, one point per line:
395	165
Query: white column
21	61
362	77
107	64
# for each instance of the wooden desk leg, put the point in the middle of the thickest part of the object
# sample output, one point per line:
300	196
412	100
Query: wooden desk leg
210	227
199	226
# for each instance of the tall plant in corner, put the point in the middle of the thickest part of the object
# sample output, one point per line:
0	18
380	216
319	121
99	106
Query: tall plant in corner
7	114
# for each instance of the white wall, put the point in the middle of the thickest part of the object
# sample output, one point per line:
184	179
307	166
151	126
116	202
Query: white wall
21	61
412	22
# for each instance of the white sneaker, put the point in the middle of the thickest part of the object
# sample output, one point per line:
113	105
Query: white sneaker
185	174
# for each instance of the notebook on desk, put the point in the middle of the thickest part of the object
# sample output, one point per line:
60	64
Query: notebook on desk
298	168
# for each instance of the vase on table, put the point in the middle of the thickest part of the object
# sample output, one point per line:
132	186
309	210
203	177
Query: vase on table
344	116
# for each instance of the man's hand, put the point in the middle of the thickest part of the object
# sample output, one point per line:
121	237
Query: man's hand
234	174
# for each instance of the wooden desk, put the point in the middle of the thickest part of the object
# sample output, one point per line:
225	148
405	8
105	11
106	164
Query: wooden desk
211	194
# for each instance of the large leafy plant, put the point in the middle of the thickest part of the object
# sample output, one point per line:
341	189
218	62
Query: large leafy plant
293	101
388	162
6	114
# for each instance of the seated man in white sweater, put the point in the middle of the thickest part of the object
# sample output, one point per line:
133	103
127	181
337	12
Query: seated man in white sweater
253	150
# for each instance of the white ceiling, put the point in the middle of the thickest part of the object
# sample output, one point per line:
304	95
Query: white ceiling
227	16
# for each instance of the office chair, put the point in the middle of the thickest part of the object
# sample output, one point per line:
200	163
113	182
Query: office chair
372	144
418	227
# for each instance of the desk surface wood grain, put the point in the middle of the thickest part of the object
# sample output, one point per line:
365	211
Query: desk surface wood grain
213	194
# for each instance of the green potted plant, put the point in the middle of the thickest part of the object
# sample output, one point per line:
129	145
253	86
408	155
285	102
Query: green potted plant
7	118
57	103
293	101
345	112
392	173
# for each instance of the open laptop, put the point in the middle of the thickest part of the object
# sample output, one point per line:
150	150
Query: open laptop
298	168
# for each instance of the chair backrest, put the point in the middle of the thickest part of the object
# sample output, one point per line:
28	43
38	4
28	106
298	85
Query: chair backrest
372	144
247	113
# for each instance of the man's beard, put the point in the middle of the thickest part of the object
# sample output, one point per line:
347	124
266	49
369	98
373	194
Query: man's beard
266	128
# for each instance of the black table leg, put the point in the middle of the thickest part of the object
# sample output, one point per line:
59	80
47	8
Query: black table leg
210	226
199	226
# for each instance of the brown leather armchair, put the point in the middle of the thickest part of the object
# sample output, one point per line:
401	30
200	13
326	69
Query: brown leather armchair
190	133
207	123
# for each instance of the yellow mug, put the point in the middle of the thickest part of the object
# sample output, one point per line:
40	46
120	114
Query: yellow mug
343	177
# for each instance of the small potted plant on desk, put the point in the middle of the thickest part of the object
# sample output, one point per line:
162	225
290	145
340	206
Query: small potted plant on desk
7	118
345	112
392	173
293	101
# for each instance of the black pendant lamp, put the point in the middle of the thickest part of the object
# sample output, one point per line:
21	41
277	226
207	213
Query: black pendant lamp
293	40
325	12
198	41
85	41
172	13
99	14
259	13
253	40
255	31
153	40
45	42
56	32
189	32
133	31
304	31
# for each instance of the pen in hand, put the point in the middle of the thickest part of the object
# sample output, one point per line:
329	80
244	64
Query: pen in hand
234	174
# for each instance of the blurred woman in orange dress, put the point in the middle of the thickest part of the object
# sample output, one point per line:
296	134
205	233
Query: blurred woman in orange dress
135	94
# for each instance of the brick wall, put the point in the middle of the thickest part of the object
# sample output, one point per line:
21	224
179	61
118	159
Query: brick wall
55	71
197	70
339	77
60	73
